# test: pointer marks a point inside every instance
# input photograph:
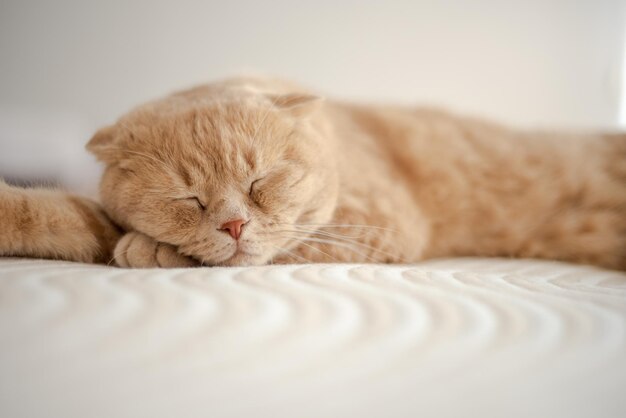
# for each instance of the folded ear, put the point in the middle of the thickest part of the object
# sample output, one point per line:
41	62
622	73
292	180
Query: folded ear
297	104
103	143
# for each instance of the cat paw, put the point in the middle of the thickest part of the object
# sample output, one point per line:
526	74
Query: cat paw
137	250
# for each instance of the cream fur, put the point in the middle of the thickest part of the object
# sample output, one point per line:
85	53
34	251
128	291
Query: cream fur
350	183
51	224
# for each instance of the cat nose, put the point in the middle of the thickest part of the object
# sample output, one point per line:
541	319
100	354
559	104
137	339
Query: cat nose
233	227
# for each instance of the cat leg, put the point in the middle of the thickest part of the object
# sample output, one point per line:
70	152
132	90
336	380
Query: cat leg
140	251
43	223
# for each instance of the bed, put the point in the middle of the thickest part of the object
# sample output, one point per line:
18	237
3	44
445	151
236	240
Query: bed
455	337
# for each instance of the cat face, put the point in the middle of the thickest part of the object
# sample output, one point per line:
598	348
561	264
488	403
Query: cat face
223	179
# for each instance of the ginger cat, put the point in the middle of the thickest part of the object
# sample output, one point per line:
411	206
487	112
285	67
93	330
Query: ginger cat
254	171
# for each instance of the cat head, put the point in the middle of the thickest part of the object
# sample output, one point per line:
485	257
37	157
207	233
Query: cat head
226	175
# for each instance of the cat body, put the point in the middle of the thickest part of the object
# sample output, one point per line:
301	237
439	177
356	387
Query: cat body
254	171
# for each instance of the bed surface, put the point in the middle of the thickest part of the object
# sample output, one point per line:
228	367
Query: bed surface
458	337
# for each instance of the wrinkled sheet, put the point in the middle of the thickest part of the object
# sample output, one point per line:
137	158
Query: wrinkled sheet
457	337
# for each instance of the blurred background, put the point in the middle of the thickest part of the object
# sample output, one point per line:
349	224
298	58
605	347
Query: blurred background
68	67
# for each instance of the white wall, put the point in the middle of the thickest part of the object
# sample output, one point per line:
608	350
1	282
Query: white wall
68	66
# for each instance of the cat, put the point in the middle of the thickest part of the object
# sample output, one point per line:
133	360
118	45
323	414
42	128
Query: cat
251	171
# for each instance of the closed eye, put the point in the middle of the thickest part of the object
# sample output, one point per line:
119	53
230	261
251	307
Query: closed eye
252	186
196	200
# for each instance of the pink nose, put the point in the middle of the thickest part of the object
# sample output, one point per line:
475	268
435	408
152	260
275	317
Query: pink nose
233	227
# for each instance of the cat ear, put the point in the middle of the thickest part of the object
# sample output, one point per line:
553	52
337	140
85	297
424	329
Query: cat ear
103	144
297	104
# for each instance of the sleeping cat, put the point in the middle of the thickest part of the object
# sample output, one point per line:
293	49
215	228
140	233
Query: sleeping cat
255	171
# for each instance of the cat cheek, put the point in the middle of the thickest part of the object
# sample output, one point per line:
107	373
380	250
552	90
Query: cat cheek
270	201
261	200
183	217
261	197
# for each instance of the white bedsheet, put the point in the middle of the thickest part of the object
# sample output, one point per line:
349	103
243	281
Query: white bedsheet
462	337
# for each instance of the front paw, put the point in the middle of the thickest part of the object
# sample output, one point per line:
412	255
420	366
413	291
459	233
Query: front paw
140	251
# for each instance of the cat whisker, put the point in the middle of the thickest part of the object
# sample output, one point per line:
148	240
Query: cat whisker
326	233
315	249
349	245
343	226
289	252
345	240
114	258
